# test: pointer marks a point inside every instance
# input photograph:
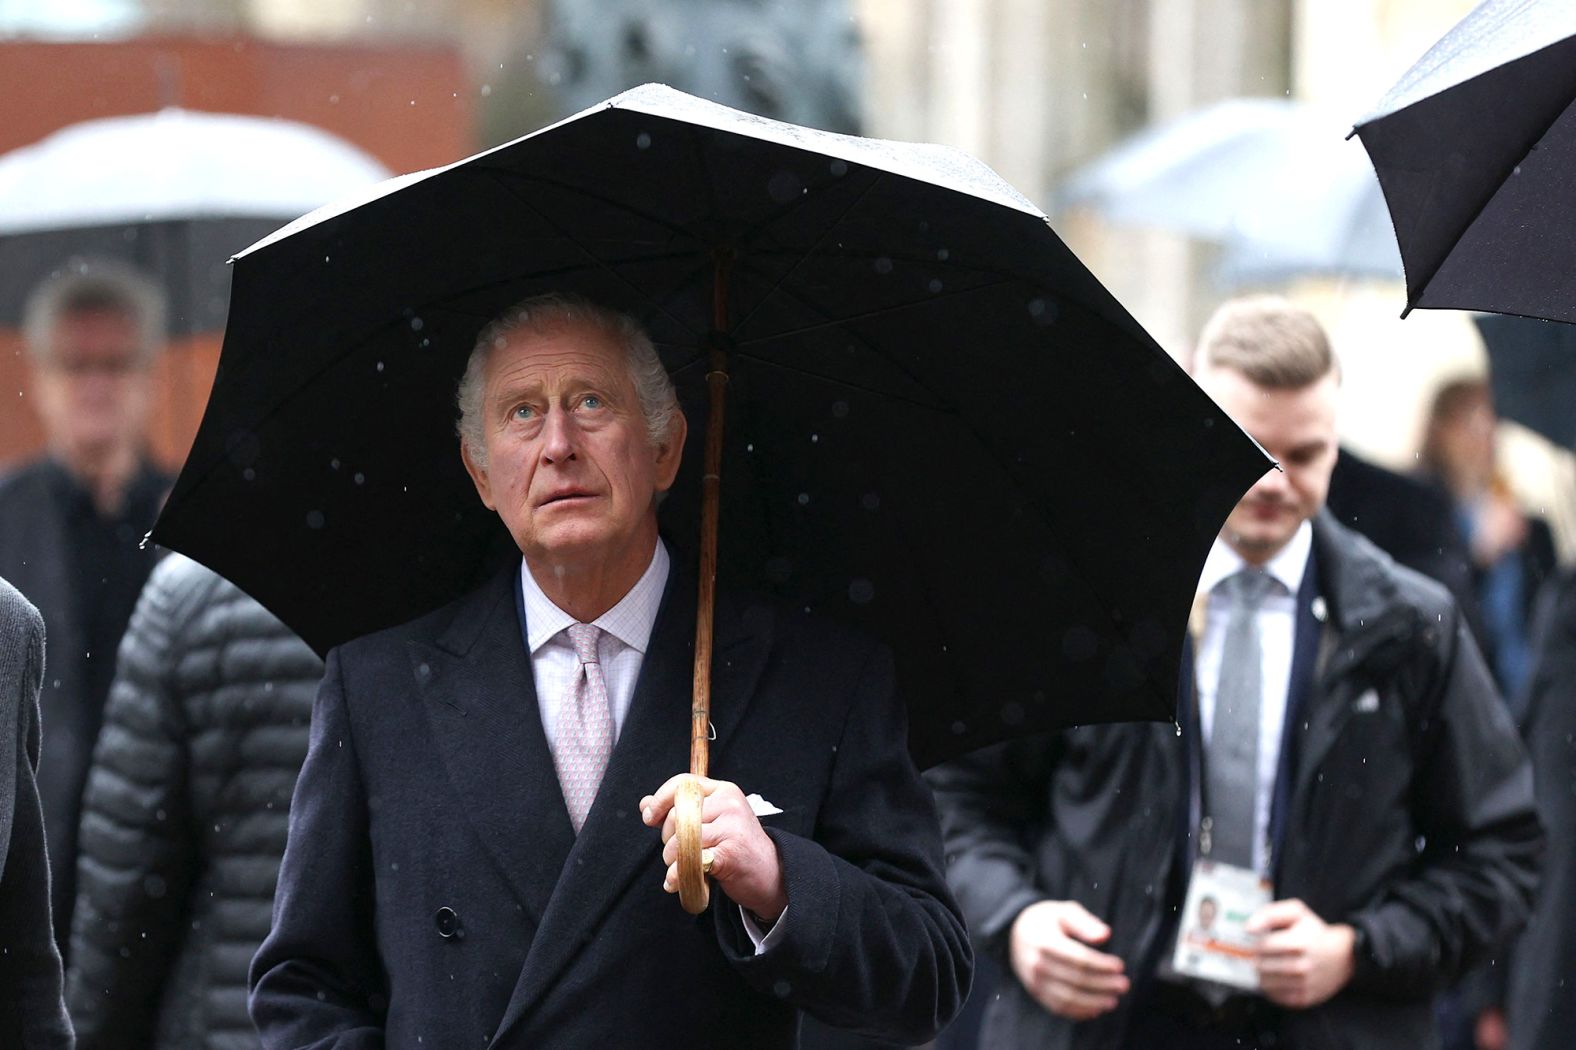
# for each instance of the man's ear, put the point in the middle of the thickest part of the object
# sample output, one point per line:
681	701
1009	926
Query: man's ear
478	475
670	452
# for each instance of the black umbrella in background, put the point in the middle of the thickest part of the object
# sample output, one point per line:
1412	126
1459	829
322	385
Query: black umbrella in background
1532	369
1475	149
940	425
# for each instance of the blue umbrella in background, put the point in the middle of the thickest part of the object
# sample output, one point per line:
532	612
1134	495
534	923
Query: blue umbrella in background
1269	180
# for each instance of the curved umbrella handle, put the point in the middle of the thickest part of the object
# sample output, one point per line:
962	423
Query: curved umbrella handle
694	892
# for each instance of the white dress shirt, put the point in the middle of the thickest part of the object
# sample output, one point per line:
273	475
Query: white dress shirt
621	648
1277	621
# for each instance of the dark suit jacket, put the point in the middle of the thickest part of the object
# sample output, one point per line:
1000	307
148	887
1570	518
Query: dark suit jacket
36	556
433	893
32	1009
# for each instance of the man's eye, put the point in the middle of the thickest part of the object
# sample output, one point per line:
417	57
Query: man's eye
523	412
591	401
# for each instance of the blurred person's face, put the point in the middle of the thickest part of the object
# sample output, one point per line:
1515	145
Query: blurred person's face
93	387
1466	443
571	468
1297	427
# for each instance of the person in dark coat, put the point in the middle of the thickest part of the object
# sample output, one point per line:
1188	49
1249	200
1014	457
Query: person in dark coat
32	1012
71	522
1388	803
185	815
1412	519
481	844
1541	1005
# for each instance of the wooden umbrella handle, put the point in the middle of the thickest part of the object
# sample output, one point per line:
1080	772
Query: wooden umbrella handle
694	891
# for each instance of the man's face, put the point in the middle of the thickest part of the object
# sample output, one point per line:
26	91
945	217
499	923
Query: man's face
570	467
1297	427
94	390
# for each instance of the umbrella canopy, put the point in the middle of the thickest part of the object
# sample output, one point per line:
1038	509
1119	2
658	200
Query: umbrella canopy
175	192
1268	179
940	425
1475	147
1532	368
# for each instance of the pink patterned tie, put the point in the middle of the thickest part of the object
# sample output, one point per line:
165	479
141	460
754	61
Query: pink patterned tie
584	733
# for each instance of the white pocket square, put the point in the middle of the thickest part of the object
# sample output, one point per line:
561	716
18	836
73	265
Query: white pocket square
760	807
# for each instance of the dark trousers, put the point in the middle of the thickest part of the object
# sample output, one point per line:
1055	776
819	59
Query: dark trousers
1172	1017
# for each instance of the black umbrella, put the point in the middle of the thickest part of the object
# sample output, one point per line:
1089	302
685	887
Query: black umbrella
940	425
1475	149
1532	369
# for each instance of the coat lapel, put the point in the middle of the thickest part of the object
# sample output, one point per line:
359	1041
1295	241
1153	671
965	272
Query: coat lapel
615	846
1362	619
480	700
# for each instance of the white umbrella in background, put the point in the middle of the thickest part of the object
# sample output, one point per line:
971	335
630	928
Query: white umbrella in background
1273	182
175	193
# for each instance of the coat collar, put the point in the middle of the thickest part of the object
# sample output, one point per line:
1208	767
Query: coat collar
496	755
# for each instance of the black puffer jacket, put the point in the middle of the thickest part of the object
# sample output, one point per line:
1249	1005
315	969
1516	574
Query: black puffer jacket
185	815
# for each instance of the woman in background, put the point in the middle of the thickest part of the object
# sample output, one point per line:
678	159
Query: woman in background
1512	554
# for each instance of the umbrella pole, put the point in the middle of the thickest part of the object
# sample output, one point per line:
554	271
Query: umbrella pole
694	893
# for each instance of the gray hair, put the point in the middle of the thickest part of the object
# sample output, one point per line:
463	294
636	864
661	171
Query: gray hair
85	285
659	404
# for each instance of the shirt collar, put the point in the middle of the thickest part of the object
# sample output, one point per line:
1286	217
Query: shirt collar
630	620
1287	567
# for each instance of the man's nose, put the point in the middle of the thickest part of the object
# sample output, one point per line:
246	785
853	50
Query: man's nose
558	442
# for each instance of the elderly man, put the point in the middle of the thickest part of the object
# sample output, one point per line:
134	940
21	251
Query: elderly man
1346	782
481	838
71	522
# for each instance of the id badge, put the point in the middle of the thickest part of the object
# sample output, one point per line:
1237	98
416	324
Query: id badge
1213	943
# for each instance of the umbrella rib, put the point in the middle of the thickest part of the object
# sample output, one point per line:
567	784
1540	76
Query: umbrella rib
782	366
870	346
589	254
867	315
805	255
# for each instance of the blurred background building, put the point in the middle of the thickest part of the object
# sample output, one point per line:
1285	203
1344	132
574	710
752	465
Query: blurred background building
1037	88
